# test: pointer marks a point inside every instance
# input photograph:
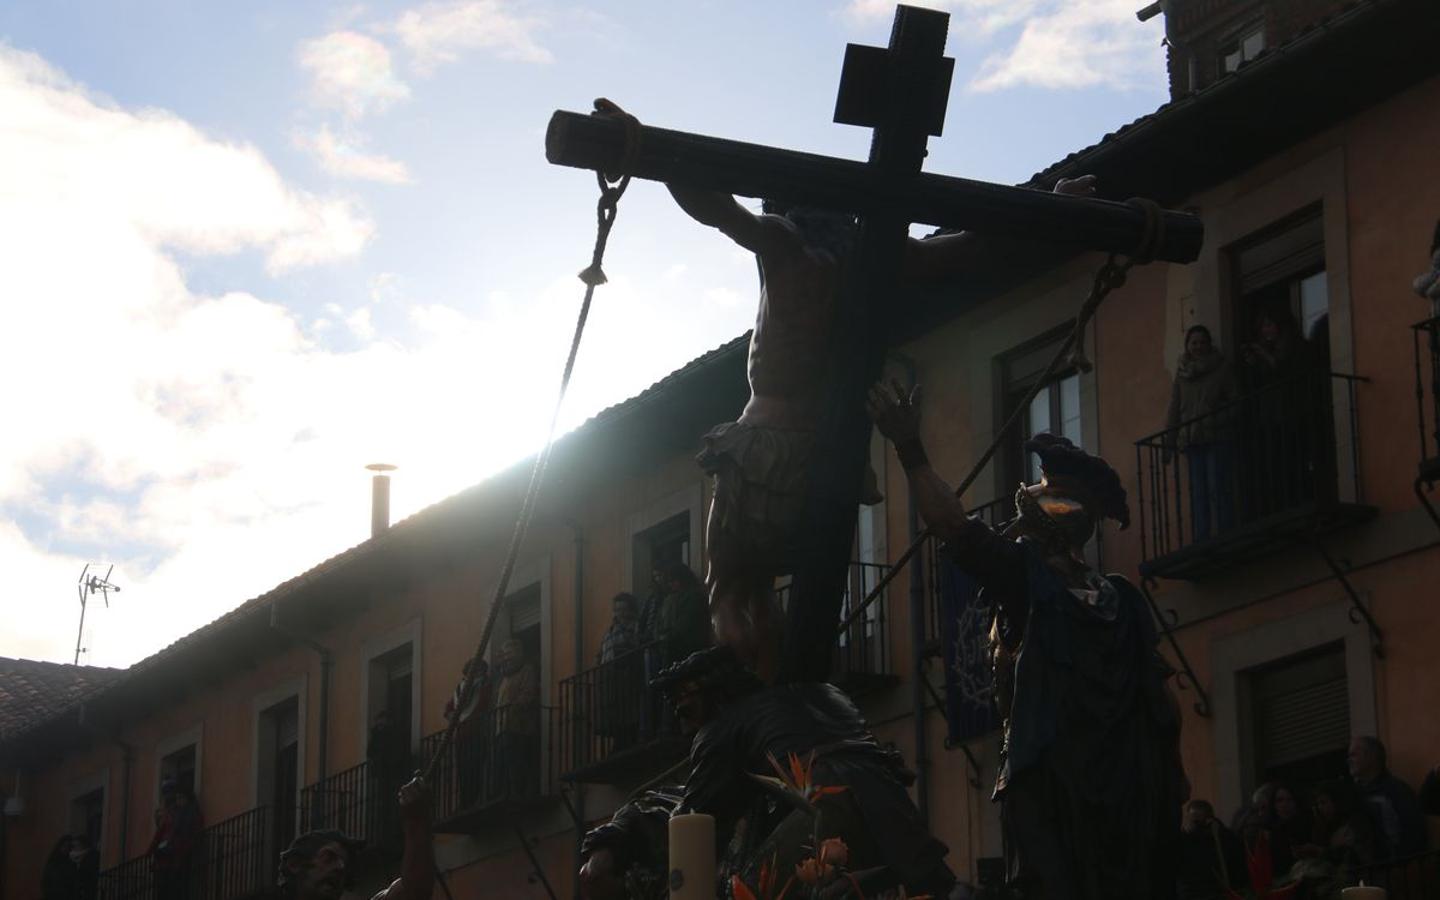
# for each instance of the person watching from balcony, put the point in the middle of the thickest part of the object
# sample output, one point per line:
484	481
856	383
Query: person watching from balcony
517	726
620	677
683	619
1200	425
1392	803
1430	793
1284	404
57	878
320	865
472	698
387	751
1427	285
86	861
177	830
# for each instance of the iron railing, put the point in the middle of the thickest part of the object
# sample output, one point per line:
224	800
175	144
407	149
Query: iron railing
1427	389
238	857
232	860
1286	448
611	709
345	802
862	652
497	756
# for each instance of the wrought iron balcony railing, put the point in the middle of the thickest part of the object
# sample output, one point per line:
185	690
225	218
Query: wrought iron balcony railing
232	860
1278	466
499	759
344	801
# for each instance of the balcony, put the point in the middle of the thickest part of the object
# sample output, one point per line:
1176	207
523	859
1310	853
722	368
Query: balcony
501	763
862	651
1278	468
233	860
343	802
613	728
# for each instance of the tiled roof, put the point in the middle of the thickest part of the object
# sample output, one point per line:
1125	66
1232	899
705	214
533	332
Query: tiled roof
32	691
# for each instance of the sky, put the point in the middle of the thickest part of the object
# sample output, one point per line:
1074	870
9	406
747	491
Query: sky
248	248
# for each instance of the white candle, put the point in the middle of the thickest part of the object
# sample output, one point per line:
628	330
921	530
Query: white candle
1362	893
692	857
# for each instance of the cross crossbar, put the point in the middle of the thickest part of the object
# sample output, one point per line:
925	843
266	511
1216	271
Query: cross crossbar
754	170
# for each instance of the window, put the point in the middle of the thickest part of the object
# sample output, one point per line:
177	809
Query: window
179	766
659	546
1281	273
87	815
522	611
1055	409
278	770
392	687
1299	712
1244	47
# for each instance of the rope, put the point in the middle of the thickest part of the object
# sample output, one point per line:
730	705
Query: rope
593	276
1110	276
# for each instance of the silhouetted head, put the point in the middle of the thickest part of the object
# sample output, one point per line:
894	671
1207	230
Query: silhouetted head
318	865
1076	491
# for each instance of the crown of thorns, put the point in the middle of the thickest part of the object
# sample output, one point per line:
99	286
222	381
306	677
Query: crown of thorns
1090	478
714	668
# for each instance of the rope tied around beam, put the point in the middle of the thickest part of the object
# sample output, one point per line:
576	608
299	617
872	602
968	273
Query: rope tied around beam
1111	275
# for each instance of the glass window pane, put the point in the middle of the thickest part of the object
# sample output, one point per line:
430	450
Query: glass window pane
1253	43
1231	61
1314	301
1039	417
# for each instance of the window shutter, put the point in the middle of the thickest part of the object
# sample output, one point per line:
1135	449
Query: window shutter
524	613
1304	710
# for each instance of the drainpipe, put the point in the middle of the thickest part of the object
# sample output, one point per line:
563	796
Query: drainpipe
917	634
327	662
577	592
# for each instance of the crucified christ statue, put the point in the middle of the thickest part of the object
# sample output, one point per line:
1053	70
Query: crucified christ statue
760	462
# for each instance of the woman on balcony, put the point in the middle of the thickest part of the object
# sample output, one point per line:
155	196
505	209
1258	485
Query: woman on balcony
1198	425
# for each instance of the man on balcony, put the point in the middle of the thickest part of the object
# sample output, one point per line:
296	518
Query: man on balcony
517	723
1090	781
320	865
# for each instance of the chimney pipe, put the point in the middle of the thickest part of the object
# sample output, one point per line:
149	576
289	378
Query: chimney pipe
380	498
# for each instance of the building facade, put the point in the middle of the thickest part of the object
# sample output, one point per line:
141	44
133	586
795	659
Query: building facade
1296	615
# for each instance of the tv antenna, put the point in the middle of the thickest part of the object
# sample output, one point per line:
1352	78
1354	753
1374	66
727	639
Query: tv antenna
88	586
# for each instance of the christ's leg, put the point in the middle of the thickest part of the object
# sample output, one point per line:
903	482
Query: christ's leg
745	618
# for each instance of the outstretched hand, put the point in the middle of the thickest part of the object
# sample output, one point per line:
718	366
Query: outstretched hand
894	412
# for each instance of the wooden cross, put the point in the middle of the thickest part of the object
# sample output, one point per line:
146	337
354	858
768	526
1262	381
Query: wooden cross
901	92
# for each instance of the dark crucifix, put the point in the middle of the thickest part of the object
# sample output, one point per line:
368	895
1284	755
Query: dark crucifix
901	92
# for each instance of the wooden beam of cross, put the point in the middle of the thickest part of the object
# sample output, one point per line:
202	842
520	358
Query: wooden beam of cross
901	92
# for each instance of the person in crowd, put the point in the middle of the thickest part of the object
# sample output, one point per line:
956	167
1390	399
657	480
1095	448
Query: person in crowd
319	865
650	609
57	878
1290	827
1430	793
517	725
1392	803
1212	858
177	831
1285	419
1200	426
1343	840
472	698
620	690
1253	818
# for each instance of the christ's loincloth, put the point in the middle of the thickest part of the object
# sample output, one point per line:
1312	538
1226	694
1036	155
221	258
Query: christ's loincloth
761	479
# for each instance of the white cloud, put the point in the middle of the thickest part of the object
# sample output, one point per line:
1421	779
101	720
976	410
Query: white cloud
437	33
211	443
351	72
1056	44
1095	43
969	17
346	158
